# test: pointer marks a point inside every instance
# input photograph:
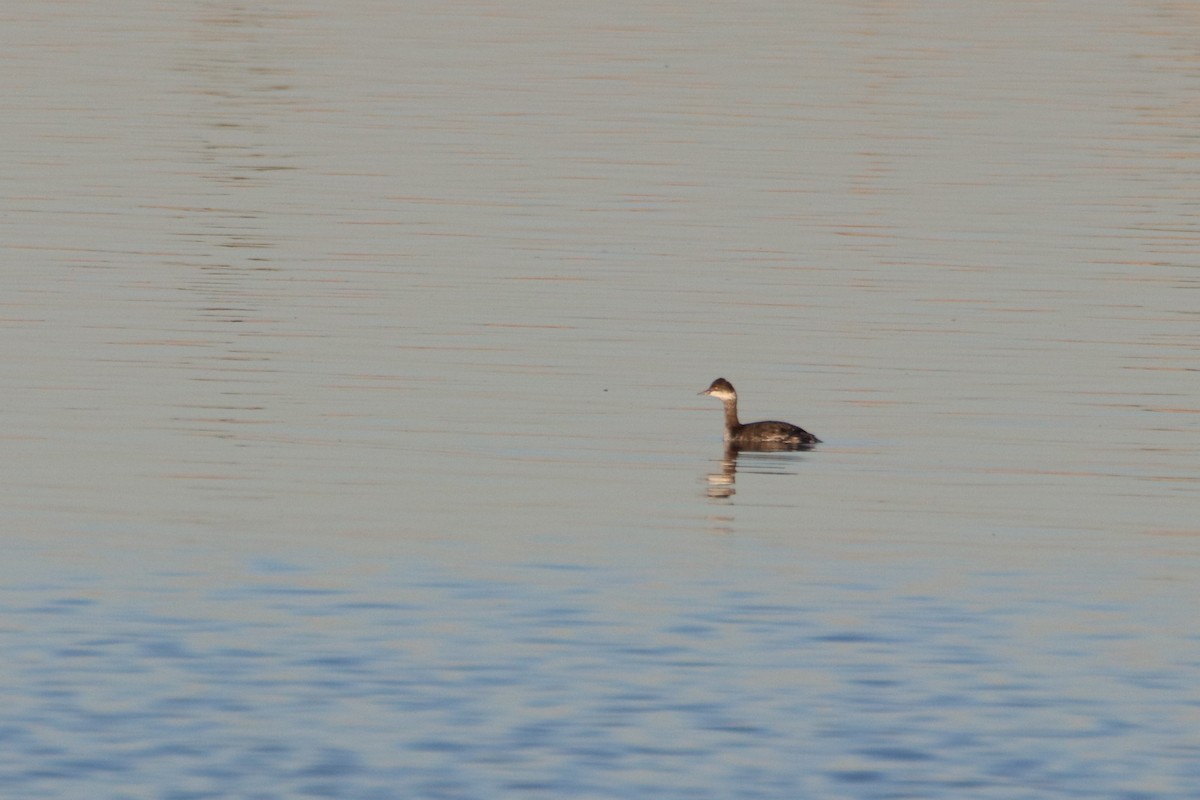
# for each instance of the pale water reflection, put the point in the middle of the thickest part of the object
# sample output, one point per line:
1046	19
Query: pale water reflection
722	484
351	444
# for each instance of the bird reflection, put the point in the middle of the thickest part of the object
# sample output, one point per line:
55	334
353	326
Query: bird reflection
772	458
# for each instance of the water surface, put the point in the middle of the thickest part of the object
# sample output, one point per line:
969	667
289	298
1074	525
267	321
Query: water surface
353	445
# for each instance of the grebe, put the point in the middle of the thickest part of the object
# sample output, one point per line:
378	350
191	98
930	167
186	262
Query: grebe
768	434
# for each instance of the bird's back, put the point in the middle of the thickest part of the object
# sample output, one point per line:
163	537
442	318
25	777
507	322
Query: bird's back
771	432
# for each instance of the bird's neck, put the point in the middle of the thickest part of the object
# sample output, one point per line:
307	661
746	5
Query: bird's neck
731	419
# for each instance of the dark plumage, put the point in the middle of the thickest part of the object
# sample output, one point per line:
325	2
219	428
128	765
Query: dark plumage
765	435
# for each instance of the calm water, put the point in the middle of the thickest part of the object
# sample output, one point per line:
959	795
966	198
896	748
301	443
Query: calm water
352	445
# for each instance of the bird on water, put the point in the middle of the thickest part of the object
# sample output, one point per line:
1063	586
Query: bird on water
768	434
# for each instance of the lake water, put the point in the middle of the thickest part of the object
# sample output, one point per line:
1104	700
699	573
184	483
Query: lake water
352	445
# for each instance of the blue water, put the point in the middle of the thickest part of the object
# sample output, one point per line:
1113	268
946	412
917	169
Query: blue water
760	679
